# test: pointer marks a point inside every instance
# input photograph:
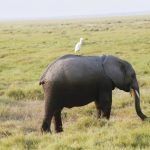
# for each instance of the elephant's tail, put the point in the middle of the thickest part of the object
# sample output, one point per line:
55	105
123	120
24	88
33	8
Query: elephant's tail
41	82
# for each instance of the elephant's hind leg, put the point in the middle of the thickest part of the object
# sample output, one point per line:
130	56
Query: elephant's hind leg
58	121
47	120
49	112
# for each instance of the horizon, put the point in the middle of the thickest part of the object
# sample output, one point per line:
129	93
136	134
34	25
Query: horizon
133	14
66	9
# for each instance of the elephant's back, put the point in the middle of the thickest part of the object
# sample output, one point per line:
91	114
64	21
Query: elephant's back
73	68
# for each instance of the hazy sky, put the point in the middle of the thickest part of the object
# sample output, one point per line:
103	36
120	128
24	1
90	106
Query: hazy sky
42	9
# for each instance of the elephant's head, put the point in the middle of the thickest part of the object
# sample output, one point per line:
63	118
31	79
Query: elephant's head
123	77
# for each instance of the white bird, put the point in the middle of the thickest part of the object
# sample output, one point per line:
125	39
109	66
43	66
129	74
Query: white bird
78	45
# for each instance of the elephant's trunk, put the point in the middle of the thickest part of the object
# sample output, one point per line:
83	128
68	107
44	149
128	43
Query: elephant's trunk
136	94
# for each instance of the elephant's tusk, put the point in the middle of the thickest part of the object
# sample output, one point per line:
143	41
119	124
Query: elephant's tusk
133	92
137	93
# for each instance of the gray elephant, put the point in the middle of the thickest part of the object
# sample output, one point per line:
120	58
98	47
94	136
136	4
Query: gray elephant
73	81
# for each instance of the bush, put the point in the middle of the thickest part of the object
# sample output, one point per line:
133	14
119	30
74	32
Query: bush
16	94
33	94
26	93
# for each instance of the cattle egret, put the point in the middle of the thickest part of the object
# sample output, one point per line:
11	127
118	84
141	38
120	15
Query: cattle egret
78	45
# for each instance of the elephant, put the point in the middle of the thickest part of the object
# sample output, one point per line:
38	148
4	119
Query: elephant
75	80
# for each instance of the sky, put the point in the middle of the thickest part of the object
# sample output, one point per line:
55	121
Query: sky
45	9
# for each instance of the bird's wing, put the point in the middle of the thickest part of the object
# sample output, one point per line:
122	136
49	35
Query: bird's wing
77	47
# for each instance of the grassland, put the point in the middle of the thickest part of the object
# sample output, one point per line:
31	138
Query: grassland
26	48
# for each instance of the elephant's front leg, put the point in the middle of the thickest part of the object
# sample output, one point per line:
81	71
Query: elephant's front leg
58	121
98	108
103	104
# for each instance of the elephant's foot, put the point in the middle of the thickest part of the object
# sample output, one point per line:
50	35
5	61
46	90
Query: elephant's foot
105	114
45	127
58	129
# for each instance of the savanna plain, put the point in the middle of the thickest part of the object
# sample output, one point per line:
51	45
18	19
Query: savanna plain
27	47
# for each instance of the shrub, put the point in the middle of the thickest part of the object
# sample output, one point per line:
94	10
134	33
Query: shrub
15	94
31	93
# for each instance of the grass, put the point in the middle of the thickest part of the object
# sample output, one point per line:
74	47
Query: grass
26	48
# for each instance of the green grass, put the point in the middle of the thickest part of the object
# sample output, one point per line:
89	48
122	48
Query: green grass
26	48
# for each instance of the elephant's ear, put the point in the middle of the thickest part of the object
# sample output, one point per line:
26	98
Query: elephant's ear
114	68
